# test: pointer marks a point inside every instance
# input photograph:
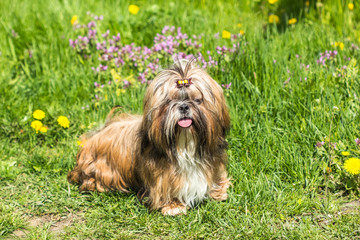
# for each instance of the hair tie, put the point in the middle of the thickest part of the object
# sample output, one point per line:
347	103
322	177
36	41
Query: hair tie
183	82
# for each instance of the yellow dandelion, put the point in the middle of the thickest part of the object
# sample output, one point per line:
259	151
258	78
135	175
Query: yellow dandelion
43	129
133	9
120	91
350	6
339	44
345	153
37	125
352	166
239	25
74	20
274	19
272	1
115	76
81	143
307	3
63	121
38	114
292	21
242	32
226	34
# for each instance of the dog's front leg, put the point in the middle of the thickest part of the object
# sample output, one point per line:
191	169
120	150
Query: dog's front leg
218	190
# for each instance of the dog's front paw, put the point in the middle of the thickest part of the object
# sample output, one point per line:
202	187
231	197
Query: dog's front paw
173	210
219	192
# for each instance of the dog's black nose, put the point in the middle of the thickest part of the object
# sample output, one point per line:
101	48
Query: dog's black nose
184	108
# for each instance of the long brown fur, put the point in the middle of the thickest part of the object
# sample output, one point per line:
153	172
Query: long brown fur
143	153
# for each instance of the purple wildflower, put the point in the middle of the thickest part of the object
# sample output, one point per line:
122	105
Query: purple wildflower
103	67
226	86
170	42
99	18
73	43
333	145
30	53
14	34
92	34
126	84
117	38
221	50
180	35
106	34
142	77
287	81
319	144
327	55
165	29
91	24
354	47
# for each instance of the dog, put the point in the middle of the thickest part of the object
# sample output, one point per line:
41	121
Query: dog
174	155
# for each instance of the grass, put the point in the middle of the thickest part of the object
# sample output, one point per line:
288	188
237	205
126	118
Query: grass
277	173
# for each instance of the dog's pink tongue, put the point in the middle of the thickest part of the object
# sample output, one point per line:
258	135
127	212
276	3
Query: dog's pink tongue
185	123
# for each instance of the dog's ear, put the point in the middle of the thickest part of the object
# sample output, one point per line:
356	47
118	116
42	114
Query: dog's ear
220	105
224	113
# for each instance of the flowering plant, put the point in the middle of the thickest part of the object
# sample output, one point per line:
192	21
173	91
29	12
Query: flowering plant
37	125
41	124
344	168
126	65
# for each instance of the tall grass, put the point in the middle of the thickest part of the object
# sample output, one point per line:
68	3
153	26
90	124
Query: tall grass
277	118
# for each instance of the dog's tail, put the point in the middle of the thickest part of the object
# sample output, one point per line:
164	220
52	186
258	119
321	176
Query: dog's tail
111	113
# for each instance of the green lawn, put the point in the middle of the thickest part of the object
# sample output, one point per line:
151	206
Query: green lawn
282	104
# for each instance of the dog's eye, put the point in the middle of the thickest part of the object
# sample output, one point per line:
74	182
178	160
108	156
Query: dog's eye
198	100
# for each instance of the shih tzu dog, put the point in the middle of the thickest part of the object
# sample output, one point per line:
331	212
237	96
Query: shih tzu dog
174	156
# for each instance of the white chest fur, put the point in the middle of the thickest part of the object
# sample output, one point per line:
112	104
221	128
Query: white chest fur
195	185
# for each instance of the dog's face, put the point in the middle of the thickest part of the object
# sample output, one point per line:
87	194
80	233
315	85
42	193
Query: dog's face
185	98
